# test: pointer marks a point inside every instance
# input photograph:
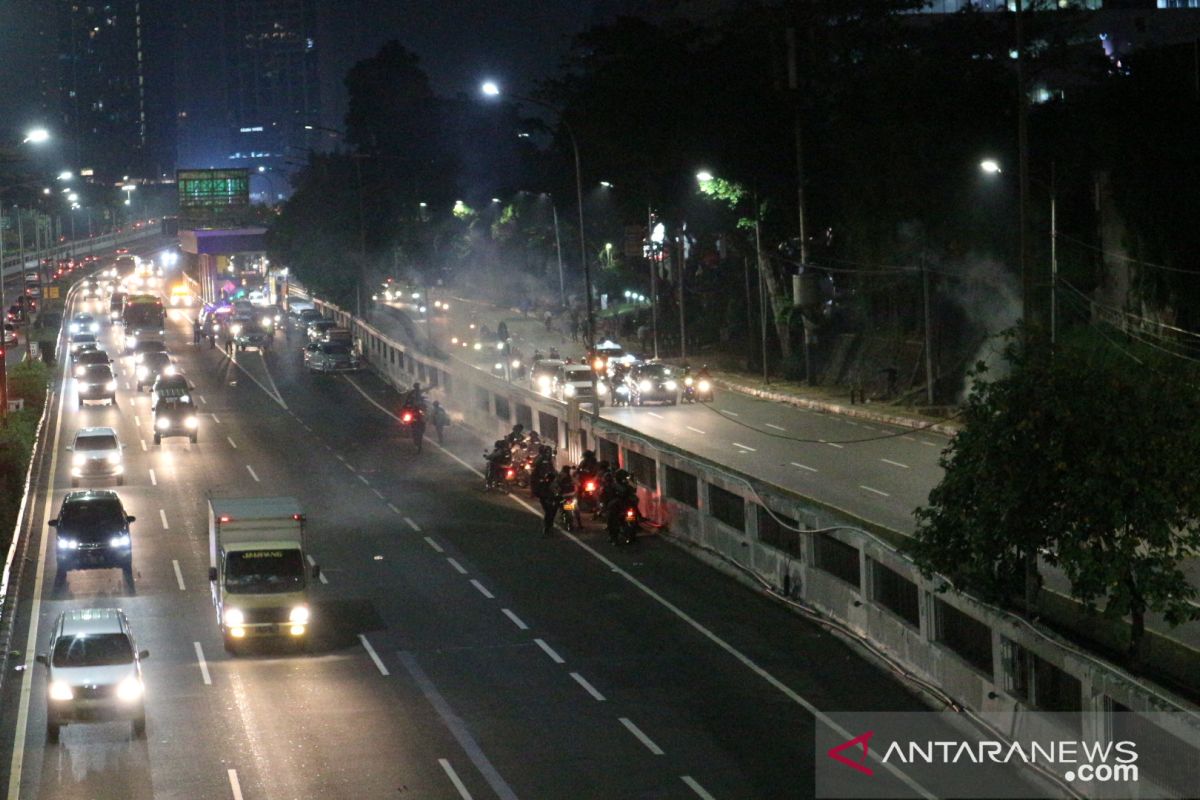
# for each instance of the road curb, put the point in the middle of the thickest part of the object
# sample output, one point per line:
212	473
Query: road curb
946	429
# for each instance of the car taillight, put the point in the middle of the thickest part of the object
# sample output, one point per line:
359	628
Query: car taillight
407	417
590	486
510	473
630	515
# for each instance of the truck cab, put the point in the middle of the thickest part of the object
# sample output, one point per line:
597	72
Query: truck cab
259	570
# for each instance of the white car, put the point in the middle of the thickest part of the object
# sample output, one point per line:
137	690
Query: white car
95	671
83	341
83	323
574	382
97	453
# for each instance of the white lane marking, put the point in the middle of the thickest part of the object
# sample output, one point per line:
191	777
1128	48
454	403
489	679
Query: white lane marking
776	427
868	427
908	438
730	413
216	419
928	444
127	385
802	466
895	463
364	480
457	728
378	493
587	687
515	619
202	400
876	491
392	506
137	422
412	524
453	776
641	737
350	467
849	422
153	479
312	562
831	444
163	516
252	475
437	548
696	430
482	590
235	785
745	447
341	458
461	569
697	788
143	441
374	656
271	391
653	414
203	664
555	657
232	443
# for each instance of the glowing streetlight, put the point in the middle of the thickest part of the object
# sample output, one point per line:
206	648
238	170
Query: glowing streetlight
66	175
606	184
37	136
73	198
704	176
990	166
490	89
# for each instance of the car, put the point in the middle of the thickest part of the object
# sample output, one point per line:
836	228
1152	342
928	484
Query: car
174	412
92	532
145	346
258	298
89	291
10	334
330	357
83	323
94	671
116	302
85	357
97	383
307	316
541	376
652	383
169	386
83	341
97	453
574	382
248	332
317	329
152	365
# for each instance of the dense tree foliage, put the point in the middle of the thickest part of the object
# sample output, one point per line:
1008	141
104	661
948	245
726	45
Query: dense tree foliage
1086	455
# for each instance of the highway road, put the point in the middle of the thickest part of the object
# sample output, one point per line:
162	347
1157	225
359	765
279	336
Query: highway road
456	653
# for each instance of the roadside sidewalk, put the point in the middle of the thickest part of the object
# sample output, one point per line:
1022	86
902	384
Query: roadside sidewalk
529	335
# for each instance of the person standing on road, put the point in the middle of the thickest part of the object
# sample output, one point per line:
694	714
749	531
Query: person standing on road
502	331
440	419
196	331
547	319
542	482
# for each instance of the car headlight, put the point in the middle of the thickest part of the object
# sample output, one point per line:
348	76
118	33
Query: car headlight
645	386
622	390
299	615
68	544
169	369
671	386
235	329
114	458
74	327
235	617
705	386
600	387
190	423
131	341
185	399
60	690
120	540
79	459
142	372
130	689
688	381
79	372
94	327
569	390
266	323
543	381
162	423
111	386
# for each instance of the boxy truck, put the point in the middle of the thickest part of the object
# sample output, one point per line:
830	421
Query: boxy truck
258	568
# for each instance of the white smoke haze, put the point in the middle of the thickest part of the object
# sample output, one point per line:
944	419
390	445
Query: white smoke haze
990	298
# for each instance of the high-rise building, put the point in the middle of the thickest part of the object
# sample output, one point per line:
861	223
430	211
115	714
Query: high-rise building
248	92
111	91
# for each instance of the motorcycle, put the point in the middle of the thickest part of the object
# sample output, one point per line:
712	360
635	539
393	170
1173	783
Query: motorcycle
568	514
703	391
413	418
624	529
498	475
587	499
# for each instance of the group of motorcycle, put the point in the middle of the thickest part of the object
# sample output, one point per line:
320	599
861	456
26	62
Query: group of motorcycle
596	489
697	389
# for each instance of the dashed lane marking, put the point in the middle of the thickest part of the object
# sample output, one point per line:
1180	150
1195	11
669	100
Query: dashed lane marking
153	478
203	664
696	787
436	547
364	480
776	427
515	619
640	736
232	443
162	514
392	506
461	569
252	473
235	785
895	463
454	779
216	419
143	441
745	447
803	466
876	491
178	575
587	687
696	430
378	493
831	444
312	562
548	650
482	589
730	413
411	524
374	656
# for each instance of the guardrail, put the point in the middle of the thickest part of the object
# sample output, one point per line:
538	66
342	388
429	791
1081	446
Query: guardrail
815	556
92	245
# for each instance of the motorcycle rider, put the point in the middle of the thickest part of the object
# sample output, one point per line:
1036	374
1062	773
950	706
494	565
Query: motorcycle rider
497	459
542	483
414	397
564	488
621	495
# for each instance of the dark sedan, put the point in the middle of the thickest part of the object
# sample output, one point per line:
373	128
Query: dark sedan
652	383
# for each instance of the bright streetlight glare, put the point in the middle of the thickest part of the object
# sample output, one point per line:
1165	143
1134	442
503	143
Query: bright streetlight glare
490	88
74	198
704	176
66	175
990	166
606	184
37	135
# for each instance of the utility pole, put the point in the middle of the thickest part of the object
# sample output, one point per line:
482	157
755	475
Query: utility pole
794	86
1028	284
928	333
762	287
653	261
562	288
682	315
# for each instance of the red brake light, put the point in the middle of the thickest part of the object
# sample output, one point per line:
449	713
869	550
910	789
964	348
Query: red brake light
224	518
407	416
590	486
509	473
629	513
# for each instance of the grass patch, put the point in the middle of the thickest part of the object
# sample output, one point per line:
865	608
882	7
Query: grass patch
27	381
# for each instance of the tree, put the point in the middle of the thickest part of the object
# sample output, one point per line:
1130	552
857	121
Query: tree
1083	455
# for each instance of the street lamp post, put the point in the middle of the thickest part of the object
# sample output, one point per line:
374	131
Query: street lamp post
491	89
562	287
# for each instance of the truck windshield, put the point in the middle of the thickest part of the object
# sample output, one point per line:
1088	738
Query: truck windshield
264	571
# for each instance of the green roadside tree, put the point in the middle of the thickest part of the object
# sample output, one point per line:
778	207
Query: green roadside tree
1087	456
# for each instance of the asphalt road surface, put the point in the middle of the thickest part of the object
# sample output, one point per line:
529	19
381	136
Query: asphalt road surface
456	653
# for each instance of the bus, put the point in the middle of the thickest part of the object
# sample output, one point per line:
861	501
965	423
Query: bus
142	317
